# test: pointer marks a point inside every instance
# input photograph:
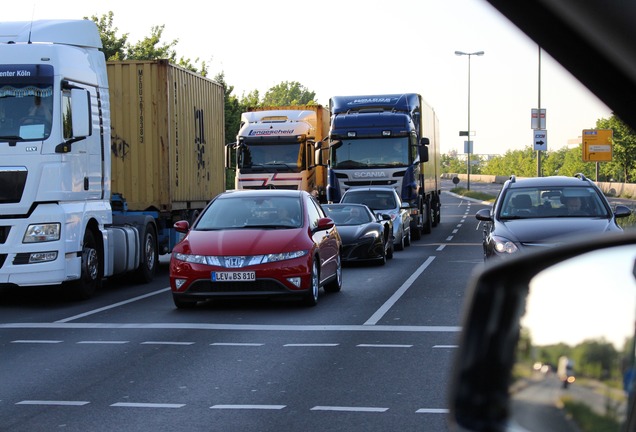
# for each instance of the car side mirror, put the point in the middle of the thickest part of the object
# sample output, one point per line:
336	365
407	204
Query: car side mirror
621	211
537	323
484	215
182	226
324	224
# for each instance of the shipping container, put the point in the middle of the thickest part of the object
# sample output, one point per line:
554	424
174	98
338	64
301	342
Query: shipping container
167	136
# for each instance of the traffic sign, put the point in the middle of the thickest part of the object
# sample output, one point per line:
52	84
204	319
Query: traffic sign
540	139
597	145
468	147
537	119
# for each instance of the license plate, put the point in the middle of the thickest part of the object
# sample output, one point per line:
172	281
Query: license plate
233	276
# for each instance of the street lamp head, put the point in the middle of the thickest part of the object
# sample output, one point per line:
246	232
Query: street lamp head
461	53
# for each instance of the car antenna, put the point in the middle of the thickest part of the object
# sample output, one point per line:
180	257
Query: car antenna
31	25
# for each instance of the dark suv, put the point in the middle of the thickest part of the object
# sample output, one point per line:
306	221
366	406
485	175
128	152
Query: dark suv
541	212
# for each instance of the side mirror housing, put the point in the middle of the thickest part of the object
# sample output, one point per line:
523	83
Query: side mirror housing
182	226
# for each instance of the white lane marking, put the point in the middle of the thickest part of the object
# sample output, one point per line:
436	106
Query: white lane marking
104	342
432	411
146	405
445	346
166	343
384	346
455	231
396	295
449	238
349	409
114	305
25	341
253	327
440	248
52	402
311	345
249	407
235	344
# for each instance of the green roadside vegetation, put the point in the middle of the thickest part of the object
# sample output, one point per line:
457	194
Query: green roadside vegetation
587	420
473	194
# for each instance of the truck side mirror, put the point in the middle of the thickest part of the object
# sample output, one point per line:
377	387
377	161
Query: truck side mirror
319	148
423	149
229	149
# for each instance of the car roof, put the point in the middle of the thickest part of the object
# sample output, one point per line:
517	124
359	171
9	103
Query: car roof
252	193
550	181
345	205
370	189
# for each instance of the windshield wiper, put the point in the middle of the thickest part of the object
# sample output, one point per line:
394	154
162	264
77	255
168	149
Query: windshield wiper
11	137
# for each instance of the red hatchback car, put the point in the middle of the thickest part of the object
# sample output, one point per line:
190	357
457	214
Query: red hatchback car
258	243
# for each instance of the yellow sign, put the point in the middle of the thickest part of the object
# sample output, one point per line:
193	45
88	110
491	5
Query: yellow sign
597	145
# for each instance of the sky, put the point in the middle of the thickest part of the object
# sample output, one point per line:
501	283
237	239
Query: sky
363	47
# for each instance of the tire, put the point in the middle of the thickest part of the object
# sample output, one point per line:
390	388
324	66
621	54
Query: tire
438	212
335	285
400	245
90	276
389	253
182	303
416	232
407	240
427	226
149	257
382	260
311	298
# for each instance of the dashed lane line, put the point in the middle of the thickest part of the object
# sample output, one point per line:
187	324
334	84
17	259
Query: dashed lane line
253	327
52	402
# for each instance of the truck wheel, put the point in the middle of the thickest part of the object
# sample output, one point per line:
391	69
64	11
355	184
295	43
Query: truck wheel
437	218
416	231
84	287
427	226
148	258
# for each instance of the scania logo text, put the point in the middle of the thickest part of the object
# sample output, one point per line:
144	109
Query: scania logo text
369	174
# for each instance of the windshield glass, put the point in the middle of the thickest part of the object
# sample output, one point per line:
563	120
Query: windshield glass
552	202
287	155
251	212
348	214
372	152
26	102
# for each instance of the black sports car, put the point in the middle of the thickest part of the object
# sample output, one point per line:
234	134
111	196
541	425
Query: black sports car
365	236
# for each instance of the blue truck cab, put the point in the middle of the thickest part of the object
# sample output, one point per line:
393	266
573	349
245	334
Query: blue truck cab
387	140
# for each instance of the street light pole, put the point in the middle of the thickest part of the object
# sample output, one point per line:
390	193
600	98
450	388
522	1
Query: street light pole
461	53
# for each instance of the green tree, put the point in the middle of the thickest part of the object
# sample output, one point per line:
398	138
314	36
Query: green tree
149	48
573	164
251	100
450	163
289	93
521	163
624	151
113	46
233	109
